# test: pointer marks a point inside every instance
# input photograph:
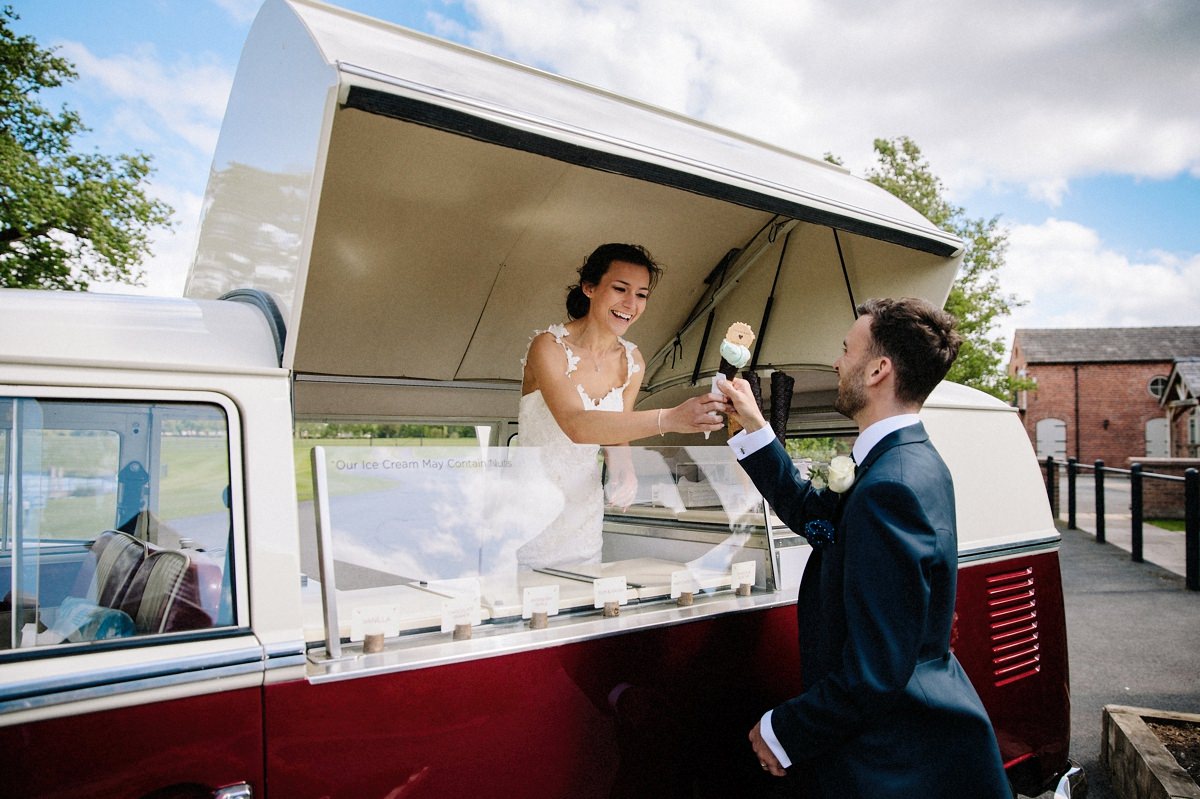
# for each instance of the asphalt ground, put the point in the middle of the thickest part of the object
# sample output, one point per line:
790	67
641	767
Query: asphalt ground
1133	635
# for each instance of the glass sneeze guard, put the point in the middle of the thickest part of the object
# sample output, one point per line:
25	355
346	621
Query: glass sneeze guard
442	540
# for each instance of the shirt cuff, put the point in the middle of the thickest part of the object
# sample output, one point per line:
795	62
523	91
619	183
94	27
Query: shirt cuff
745	444
768	735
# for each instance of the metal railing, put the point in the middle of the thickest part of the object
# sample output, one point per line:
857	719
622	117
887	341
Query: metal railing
1137	477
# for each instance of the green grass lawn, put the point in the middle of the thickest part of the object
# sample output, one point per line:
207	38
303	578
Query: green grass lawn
1175	525
194	473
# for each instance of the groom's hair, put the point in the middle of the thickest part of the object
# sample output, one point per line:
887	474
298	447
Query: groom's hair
919	338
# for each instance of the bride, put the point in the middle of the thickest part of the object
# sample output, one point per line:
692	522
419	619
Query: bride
580	383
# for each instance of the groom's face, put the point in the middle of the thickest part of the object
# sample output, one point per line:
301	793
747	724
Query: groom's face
851	367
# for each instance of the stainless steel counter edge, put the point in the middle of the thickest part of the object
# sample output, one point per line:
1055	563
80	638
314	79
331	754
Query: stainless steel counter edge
423	651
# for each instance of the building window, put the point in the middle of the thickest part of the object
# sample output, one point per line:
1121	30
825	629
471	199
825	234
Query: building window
1158	385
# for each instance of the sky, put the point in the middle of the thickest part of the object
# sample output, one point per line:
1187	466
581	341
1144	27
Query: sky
1075	123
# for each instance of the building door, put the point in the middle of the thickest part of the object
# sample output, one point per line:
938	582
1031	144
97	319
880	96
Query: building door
1052	439
1158	443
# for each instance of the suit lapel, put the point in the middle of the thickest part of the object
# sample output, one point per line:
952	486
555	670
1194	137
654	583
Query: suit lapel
913	434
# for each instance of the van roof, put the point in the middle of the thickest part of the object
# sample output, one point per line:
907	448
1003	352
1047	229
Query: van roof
953	395
113	330
418	209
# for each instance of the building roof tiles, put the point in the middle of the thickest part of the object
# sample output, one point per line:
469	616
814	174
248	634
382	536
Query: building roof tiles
1107	344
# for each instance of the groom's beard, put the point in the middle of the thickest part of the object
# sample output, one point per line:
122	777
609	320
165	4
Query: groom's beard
851	396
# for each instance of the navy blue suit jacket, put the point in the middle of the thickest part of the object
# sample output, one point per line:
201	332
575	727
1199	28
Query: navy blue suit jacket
886	709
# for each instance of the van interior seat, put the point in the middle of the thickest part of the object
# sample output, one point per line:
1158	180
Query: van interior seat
106	576
167	593
162	590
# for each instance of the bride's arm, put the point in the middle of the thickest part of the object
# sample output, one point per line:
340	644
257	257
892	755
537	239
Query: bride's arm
548	364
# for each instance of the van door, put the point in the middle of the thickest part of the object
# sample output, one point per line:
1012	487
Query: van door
127	667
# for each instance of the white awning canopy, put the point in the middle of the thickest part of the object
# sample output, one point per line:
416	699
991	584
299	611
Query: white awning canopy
418	209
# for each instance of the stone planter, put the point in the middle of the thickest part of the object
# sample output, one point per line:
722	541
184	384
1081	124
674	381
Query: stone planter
1138	765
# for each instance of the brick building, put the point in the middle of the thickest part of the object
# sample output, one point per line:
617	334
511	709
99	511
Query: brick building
1102	393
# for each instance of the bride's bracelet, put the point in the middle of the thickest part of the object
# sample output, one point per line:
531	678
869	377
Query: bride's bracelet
660	430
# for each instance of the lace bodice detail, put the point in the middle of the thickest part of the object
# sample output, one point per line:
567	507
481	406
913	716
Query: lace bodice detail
614	400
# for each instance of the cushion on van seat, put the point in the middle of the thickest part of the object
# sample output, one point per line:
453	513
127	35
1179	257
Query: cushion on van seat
106	576
80	620
164	595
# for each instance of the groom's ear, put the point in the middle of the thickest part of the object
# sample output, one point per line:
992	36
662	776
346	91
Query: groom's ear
881	370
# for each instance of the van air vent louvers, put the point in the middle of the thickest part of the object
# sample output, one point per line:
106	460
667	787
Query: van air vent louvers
1013	624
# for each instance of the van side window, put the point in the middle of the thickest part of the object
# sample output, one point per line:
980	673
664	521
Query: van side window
115	522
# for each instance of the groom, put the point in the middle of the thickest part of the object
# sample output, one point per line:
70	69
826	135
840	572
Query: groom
885	710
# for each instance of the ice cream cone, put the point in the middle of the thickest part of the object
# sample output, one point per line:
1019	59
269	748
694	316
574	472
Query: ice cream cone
782	385
735	354
755	386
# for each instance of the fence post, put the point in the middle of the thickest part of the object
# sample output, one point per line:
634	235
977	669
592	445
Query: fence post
1135	523
1099	502
1051	473
1071	471
1191	514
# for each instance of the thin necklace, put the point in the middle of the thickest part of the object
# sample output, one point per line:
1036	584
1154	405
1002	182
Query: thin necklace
592	355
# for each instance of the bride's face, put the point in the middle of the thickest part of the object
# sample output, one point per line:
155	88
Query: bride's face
620	296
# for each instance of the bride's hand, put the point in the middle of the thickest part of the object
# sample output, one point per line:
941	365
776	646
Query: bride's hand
699	414
621	488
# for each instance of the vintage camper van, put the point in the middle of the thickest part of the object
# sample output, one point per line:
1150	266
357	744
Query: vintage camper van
210	588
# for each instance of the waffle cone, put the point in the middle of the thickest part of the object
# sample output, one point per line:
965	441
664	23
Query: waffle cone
782	385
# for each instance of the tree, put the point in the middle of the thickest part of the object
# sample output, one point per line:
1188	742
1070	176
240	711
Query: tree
975	298
66	218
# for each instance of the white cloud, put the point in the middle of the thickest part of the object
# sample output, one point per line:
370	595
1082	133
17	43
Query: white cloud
172	110
240	11
1070	278
154	99
1000	91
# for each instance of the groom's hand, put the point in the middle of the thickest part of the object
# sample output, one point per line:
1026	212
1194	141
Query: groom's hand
766	758
744	406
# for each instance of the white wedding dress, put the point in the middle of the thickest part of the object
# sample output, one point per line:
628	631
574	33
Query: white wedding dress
574	536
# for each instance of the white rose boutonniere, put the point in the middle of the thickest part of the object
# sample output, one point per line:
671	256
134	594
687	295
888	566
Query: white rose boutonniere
838	474
841	474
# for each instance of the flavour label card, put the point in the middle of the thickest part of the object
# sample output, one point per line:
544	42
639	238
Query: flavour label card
743	574
609	589
683	582
460	610
463	606
374	619
540	599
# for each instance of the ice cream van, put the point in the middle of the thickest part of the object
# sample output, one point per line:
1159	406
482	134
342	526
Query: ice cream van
258	541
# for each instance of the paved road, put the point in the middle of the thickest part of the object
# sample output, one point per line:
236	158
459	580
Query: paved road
1133	634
